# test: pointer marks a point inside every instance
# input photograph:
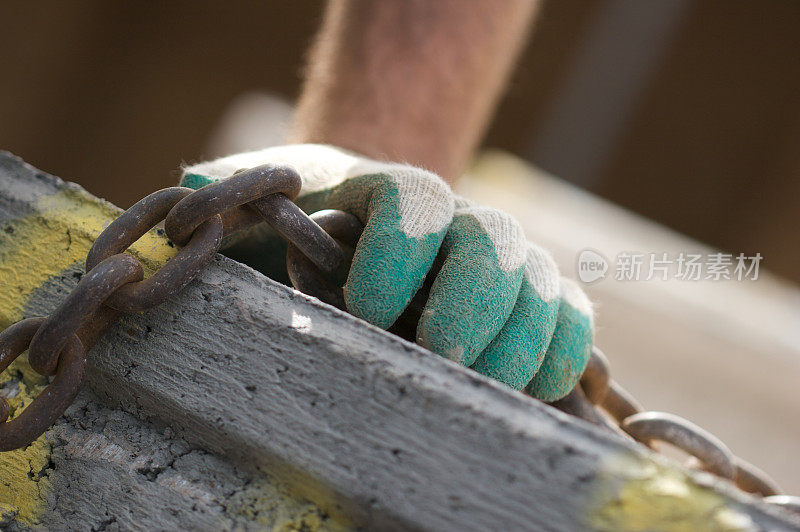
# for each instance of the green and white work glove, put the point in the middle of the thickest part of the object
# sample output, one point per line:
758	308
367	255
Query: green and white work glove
497	302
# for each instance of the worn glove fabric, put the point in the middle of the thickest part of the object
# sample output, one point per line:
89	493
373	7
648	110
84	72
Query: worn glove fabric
499	306
406	212
497	302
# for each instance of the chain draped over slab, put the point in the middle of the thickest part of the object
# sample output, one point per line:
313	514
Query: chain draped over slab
317	260
602	401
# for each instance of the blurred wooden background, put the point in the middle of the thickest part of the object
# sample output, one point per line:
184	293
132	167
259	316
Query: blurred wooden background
686	112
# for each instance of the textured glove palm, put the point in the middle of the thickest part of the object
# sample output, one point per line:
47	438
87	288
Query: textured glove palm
497	302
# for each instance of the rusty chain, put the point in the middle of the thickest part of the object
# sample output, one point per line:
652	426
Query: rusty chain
600	400
320	247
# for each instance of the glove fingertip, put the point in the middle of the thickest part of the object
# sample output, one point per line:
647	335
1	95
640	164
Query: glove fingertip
569	349
407	214
475	290
516	354
387	270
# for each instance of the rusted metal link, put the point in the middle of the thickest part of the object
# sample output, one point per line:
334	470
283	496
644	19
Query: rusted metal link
600	390
305	276
748	478
715	455
753	480
229	194
95	287
619	403
303	232
133	223
177	272
98	323
239	218
789	502
5	410
596	377
54	399
576	403
708	453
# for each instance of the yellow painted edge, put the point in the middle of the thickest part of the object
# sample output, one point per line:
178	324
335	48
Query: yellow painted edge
55	237
49	242
23	473
271	504
635	494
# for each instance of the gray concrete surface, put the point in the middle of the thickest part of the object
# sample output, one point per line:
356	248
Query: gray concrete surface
362	423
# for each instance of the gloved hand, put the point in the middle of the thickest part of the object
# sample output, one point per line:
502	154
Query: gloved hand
499	306
497	303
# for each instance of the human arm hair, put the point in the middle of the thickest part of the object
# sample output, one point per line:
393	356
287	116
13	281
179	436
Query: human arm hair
410	80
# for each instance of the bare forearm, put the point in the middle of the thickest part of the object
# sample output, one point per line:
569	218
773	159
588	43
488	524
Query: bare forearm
410	80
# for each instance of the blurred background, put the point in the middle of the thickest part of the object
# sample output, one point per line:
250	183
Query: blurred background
686	113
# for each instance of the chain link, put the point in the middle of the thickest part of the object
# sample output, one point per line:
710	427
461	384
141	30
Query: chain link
93	290
605	398
115	282
56	397
325	285
318	255
200	247
230	197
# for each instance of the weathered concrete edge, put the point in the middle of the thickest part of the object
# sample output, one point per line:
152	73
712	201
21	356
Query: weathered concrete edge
411	416
110	471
